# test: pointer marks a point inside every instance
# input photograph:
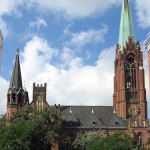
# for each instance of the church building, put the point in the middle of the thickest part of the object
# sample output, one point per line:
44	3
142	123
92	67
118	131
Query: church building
129	110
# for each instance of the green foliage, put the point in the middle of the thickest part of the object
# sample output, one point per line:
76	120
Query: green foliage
84	140
2	123
23	116
148	142
117	141
30	132
16	137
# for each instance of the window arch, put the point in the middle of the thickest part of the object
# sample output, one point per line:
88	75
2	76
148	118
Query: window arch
8	98
130	77
39	101
139	140
130	70
13	97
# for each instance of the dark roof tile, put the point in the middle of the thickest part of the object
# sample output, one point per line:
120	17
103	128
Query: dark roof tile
91	117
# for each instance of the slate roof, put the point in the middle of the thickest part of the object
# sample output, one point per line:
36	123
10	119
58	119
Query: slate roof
91	117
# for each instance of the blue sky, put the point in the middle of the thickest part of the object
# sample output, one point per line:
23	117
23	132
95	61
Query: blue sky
69	45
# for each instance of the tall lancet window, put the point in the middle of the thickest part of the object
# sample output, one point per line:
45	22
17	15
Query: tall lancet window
139	140
130	78
39	101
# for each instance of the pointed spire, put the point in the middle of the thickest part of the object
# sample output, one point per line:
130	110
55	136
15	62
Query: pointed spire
16	79
126	25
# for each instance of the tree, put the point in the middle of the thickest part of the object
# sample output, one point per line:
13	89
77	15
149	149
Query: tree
47	125
148	143
2	123
16	137
117	141
30	132
83	140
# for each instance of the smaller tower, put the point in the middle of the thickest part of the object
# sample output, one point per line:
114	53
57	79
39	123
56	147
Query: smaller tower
39	97
17	97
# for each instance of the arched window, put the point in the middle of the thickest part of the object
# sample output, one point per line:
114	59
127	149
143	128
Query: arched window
135	123
143	123
139	140
14	98
20	99
130	70
130	78
8	98
39	101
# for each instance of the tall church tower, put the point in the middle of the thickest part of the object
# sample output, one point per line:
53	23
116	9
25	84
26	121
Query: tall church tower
129	97
17	97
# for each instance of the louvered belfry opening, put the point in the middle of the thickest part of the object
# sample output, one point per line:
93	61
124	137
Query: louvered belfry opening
130	79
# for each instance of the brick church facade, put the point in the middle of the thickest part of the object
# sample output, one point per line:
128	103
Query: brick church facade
129	110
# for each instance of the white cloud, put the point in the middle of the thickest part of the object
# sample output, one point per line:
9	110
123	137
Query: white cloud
143	13
84	37
4	28
3	95
69	9
36	54
10	7
76	85
74	8
69	60
39	22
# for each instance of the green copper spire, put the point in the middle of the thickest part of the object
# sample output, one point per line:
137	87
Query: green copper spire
16	79
126	25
